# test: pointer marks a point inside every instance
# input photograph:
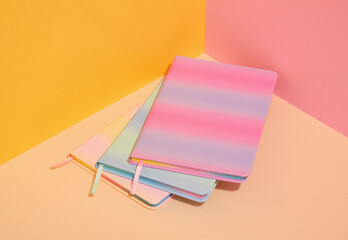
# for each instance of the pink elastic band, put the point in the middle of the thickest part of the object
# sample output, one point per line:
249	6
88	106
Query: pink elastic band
62	163
136	177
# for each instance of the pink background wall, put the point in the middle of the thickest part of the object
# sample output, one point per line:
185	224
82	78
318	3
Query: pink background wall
304	41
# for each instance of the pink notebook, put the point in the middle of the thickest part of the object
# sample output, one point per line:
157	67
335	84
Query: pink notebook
89	152
207	120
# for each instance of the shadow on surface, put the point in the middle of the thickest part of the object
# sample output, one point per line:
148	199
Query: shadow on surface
228	186
187	201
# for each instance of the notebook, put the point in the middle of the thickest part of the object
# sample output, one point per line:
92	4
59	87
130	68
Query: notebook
90	151
115	161
207	120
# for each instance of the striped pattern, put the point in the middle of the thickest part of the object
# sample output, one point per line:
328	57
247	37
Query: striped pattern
115	161
207	117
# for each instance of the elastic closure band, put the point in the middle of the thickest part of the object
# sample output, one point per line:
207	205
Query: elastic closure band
136	177
69	159
97	178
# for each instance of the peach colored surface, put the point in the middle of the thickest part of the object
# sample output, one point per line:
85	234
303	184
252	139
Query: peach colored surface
304	41
297	189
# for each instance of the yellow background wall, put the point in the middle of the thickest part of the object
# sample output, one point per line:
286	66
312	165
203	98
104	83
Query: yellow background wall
61	61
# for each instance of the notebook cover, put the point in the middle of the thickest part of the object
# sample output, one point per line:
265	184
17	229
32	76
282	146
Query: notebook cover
207	120
115	161
90	151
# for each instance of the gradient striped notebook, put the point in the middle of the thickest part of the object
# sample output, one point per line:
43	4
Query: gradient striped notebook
207	120
115	160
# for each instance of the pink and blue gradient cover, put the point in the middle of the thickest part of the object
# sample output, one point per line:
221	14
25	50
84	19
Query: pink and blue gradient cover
115	160
207	120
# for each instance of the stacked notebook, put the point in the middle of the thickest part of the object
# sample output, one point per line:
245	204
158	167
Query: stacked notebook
201	124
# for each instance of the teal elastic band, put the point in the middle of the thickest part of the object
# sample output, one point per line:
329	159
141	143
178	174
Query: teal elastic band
97	178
